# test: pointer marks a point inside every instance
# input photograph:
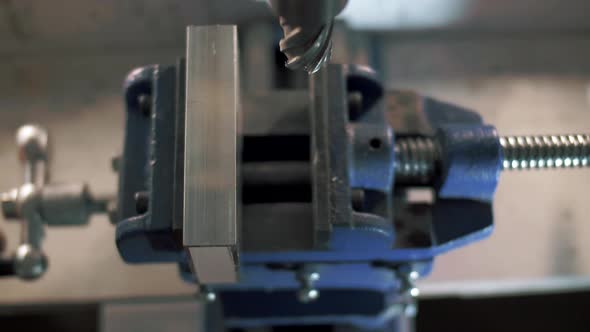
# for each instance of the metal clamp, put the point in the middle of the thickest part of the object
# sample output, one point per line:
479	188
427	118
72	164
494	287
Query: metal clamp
36	203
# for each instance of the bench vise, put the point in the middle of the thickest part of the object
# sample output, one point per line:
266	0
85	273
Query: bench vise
289	207
306	206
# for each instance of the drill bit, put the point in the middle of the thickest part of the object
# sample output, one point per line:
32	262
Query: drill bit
307	27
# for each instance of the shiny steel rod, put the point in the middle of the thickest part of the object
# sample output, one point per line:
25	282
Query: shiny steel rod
417	157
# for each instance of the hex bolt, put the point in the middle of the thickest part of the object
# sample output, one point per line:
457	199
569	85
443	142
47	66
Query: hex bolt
207	294
416	158
308	293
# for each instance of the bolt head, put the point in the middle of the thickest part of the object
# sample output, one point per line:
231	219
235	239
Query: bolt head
210	297
410	310
306	295
29	263
314	276
32	142
207	294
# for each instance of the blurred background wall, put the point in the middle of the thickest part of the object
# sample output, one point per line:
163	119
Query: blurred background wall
523	65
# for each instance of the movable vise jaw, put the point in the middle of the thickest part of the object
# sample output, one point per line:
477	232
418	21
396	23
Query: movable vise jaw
37	203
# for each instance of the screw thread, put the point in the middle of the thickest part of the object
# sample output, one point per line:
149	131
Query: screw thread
545	151
416	157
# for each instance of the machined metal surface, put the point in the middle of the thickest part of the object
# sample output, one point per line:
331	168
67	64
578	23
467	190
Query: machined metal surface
211	149
330	180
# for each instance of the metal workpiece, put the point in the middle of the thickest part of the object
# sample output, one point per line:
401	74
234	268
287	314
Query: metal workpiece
37	203
307	27
329	152
210	229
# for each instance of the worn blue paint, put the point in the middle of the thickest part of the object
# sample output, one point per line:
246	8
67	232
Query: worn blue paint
147	162
471	162
359	258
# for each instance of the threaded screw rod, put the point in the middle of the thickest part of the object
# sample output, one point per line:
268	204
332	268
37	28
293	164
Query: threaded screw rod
416	158
546	151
